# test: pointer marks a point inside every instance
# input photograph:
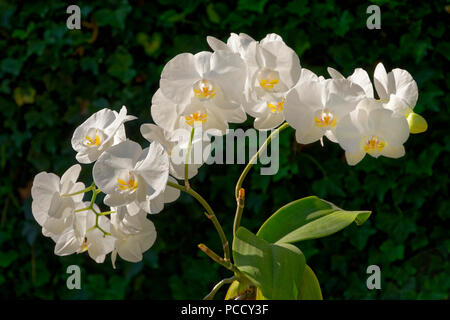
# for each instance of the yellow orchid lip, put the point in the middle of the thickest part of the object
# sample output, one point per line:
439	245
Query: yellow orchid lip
196	117
94	137
93	142
325	120
268	79
374	145
276	108
268	84
130	185
204	89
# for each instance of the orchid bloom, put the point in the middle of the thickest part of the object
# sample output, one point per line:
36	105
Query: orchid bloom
398	92
134	234
272	69
99	132
131	176
51	208
315	108
203	88
374	130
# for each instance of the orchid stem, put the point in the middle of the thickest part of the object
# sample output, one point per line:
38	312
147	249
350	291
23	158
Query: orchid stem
216	288
186	163
210	214
214	256
239	191
91	187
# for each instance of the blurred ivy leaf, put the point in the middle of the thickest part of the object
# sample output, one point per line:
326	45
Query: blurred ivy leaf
11	66
252	5
113	18
8	257
275	268
152	44
7	10
23	34
120	63
343	24
24	95
392	251
212	14
298	7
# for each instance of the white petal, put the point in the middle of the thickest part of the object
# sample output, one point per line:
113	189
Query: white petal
270	121
354	158
361	78
165	113
228	70
381	81
391	128
171	194
393	151
348	135
405	87
155	168
334	73
71	175
178	78
216	44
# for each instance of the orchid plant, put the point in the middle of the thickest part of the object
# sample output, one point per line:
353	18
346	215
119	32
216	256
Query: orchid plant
207	91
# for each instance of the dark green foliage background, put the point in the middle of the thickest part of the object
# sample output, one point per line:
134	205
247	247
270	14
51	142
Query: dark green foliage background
52	79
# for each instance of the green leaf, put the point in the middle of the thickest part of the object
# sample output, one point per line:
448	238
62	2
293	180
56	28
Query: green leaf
275	268
309	288
120	63
24	95
6	258
308	218
212	14
252	5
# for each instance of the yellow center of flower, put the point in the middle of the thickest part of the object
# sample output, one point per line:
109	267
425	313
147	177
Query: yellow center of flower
268	78
276	108
374	145
196	117
96	141
130	185
204	89
326	119
268	84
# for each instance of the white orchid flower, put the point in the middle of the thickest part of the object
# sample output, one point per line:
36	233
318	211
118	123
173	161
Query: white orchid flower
51	208
237	43
314	108
99	132
172	116
398	92
374	130
272	69
134	234
359	77
131	176
202	80
81	236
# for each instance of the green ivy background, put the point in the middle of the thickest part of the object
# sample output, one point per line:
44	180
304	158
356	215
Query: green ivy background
52	79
